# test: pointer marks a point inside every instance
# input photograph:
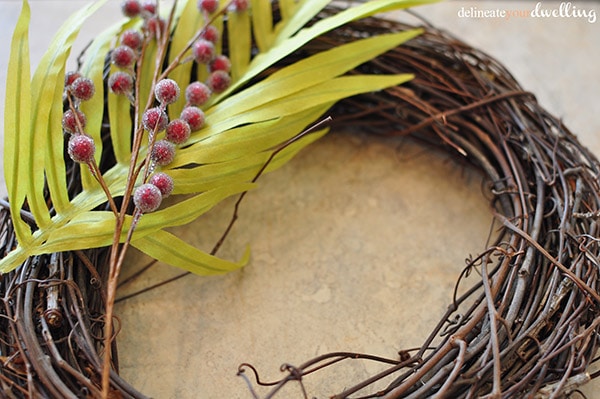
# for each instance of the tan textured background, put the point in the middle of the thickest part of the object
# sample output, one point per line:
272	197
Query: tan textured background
356	244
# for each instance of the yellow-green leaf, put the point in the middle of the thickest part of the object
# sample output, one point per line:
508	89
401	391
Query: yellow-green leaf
247	139
308	72
46	134
285	47
170	249
188	25
17	123
262	24
240	41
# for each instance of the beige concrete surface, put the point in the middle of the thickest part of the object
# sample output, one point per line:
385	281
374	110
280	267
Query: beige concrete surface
356	243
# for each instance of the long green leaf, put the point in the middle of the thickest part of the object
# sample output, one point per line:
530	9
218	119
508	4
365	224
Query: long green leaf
303	13
46	153
93	68
248	139
170	249
240	42
17	123
241	134
207	177
93	229
308	72
323	93
262	24
287	46
189	23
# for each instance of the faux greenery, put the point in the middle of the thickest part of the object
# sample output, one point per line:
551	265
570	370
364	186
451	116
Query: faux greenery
244	125
260	121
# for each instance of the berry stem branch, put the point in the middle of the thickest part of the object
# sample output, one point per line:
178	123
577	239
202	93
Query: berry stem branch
179	58
92	165
117	254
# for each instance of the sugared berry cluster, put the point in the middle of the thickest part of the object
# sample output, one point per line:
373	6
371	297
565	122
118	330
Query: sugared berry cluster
204	50
149	196
125	57
81	147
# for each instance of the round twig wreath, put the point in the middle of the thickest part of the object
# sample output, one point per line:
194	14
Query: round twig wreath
528	326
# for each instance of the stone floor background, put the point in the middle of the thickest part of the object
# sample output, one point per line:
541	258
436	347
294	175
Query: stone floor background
351	248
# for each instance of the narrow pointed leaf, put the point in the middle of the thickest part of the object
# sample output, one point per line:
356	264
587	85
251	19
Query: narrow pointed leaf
93	68
240	42
303	13
208	177
170	249
47	137
262	24
17	123
309	72
286	47
248	139
189	23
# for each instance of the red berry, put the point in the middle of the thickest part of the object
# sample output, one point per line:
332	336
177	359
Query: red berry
178	131
210	33
218	81
120	83
203	51
82	88
220	63
239	5
131	8
156	25
209	6
166	91
194	117
70	77
163	182
81	148
155	119
132	38
197	93
147	198
163	152
149	6
70	119
123	56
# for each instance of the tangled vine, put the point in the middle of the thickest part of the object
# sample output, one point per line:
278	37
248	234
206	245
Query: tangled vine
528	327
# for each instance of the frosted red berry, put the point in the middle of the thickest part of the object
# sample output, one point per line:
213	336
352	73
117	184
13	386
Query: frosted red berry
220	63
149	6
197	93
147	198
239	5
155	119
208	6
132	38
163	152
81	148
194	117
131	8
178	131
163	182
203	51
218	81
82	88
210	33
166	91
123	56
156	25
70	77
72	120
120	83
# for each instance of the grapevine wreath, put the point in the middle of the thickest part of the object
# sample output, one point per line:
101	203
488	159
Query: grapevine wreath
527	327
